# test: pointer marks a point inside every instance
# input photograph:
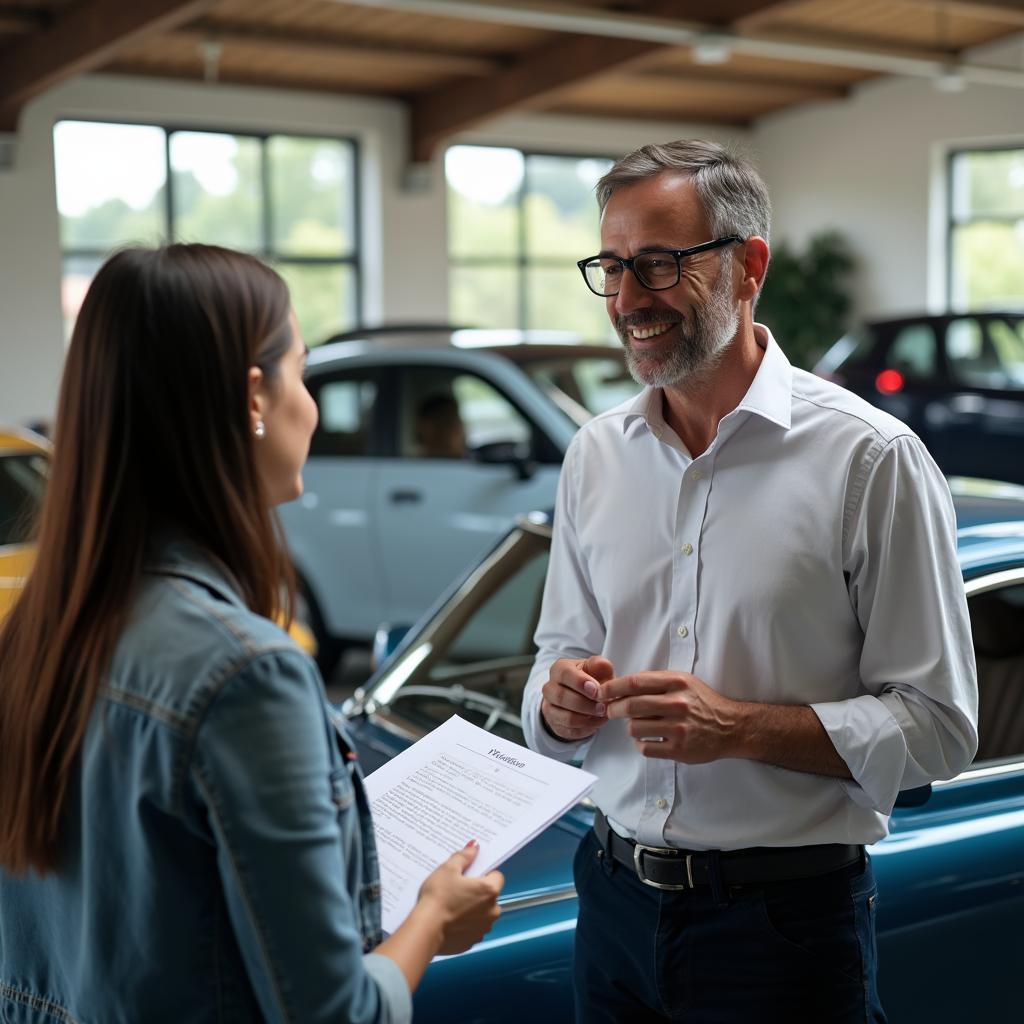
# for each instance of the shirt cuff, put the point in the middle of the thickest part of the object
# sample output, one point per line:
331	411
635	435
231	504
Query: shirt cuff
868	738
395	997
543	742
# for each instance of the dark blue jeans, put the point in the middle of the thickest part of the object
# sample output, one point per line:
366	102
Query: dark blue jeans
788	952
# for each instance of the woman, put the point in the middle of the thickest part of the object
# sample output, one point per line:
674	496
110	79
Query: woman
183	833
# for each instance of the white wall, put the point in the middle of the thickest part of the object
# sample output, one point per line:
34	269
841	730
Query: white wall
402	217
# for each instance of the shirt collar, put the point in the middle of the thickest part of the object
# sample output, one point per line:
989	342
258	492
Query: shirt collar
173	554
770	394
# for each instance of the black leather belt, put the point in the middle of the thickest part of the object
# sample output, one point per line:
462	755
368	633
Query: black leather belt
676	870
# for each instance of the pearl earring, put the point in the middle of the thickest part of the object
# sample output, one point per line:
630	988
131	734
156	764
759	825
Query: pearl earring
261	429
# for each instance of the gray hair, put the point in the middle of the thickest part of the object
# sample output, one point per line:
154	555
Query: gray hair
731	191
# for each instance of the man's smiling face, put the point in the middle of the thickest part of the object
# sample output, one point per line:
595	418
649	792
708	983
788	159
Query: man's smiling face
679	333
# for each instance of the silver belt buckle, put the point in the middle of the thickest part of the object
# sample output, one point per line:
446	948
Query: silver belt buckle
639	848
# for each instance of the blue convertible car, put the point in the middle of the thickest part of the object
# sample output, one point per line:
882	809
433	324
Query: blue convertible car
950	874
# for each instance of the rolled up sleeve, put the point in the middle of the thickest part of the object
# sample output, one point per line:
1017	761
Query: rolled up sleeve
262	768
917	721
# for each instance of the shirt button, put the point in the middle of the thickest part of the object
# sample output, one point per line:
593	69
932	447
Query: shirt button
687	549
662	803
696	474
683	631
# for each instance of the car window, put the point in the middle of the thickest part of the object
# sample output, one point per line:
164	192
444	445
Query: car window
1008	341
346	408
914	352
594	382
22	483
445	413
973	357
997	623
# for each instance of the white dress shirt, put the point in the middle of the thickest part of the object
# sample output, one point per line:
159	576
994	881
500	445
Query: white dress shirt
807	557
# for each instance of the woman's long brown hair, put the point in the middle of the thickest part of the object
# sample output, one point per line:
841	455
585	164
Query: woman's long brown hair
153	433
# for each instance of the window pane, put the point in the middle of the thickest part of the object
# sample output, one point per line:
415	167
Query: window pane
311	196
22	483
323	297
988	266
1008	339
110	184
483	192
913	352
78	274
484	296
560	208
488	417
997	623
558	300
216	195
988	184
346	410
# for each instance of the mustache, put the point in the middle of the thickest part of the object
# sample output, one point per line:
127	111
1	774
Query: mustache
646	317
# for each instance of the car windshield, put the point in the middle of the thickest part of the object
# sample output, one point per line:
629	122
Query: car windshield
22	483
475	657
594	383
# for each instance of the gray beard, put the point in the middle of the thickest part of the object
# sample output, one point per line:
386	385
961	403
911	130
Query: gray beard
700	346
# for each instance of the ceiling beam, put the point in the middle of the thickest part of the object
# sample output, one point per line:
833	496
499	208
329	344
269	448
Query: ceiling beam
338	48
536	78
84	38
705	76
1008	12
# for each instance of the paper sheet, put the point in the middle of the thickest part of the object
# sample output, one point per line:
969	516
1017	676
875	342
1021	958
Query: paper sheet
460	783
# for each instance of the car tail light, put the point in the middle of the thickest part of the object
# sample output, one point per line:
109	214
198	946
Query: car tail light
889	382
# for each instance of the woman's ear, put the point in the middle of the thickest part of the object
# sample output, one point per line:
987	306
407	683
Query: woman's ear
258	403
755	266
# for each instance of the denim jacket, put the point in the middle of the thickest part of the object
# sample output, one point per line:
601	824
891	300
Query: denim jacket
218	860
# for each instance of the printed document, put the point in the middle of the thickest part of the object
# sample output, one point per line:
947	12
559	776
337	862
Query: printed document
460	783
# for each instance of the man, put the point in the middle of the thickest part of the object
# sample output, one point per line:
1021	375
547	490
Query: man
440	433
754	631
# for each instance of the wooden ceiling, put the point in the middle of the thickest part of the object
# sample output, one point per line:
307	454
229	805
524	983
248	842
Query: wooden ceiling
458	63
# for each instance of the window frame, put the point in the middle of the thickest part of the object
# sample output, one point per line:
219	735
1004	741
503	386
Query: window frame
522	262
353	259
951	221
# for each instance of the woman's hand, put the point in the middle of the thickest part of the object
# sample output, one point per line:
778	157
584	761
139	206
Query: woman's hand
466	907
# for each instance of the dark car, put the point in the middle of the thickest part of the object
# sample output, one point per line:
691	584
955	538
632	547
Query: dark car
957	380
950	874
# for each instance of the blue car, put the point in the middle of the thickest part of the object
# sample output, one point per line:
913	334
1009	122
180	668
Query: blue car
950	874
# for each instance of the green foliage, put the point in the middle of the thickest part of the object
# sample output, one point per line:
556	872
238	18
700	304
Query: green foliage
806	297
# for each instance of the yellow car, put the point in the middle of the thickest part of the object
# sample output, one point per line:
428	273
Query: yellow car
24	467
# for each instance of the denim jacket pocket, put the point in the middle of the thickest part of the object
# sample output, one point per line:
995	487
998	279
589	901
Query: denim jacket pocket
343	792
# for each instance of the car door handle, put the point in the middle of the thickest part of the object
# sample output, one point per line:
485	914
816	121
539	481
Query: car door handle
405	497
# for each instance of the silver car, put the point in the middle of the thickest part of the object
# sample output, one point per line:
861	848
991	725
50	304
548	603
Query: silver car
428	447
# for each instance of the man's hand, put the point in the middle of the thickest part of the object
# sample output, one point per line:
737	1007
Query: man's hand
570	704
675	716
678	717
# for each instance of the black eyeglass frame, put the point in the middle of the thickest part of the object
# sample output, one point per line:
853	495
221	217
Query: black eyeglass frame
629	263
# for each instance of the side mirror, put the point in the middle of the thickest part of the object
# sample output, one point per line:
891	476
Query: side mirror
916	797
507	453
385	643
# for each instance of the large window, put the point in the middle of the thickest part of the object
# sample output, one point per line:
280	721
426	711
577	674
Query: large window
986	240
517	224
290	200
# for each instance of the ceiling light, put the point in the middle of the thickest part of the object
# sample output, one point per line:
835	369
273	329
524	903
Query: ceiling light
950	79
711	49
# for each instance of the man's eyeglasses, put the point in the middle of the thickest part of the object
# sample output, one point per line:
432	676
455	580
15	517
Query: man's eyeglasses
656	270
